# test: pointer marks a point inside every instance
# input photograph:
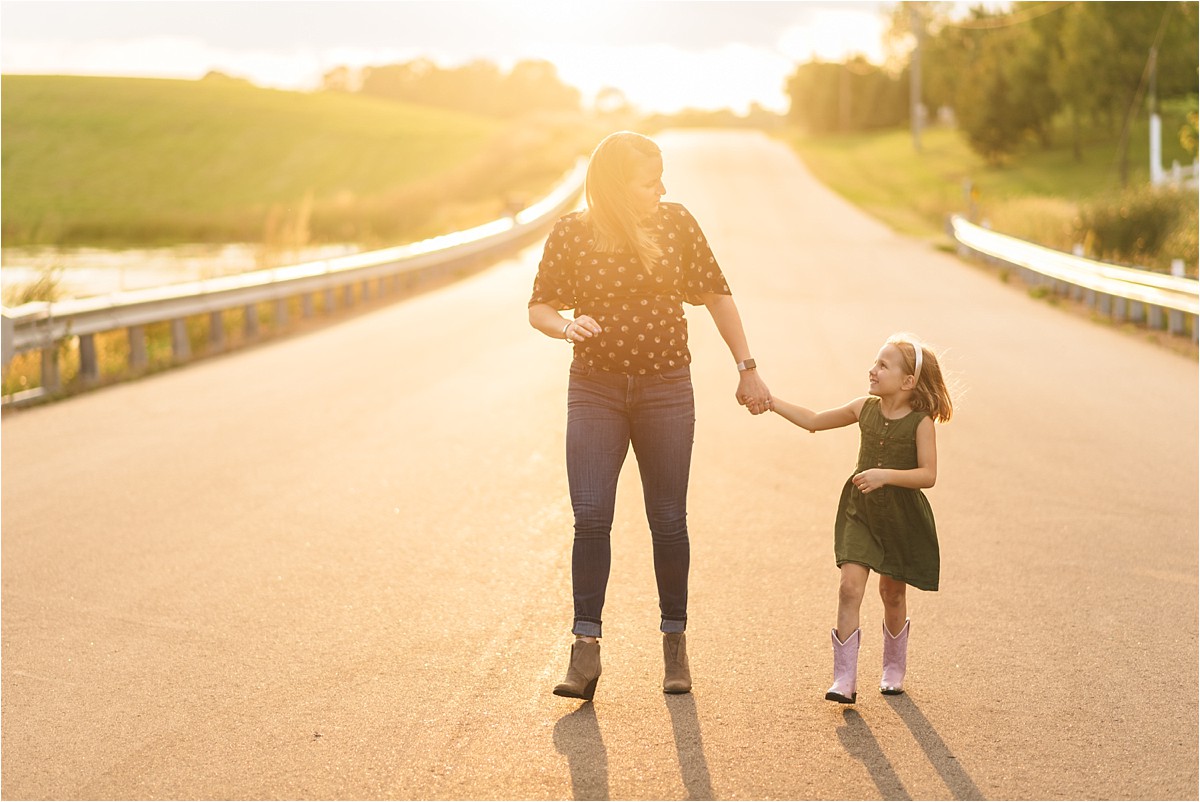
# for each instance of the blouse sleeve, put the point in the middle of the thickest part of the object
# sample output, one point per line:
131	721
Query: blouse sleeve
555	280
702	274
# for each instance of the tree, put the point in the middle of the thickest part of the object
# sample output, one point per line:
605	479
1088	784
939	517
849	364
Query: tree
1102	71
478	87
855	96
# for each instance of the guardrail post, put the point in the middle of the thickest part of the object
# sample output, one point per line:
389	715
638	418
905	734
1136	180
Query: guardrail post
1175	322
89	365
138	359
1154	317
330	301
1120	306
1177	267
50	376
366	290
1075	291
8	333
181	348
306	305
348	295
281	313
251	315
216	330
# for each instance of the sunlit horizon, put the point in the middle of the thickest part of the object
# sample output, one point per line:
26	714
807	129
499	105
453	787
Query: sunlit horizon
697	65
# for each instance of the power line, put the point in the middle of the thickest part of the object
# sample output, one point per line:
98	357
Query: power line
1008	20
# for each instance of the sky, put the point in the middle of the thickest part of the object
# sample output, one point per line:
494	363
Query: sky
665	55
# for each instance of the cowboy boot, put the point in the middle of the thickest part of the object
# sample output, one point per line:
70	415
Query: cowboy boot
678	675
583	672
895	660
845	668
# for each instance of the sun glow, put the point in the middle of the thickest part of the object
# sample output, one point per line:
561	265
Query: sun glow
662	56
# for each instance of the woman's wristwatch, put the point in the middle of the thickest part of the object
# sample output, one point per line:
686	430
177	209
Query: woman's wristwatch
745	365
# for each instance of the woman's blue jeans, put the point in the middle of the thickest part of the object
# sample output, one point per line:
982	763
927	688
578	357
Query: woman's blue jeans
606	413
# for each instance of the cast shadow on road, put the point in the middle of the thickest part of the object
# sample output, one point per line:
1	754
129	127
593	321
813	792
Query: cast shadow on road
577	735
952	773
689	745
861	744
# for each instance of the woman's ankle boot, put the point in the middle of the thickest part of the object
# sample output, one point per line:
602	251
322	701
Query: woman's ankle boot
678	675
895	660
583	672
845	668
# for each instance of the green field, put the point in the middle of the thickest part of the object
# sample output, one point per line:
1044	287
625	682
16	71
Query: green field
1038	196
123	161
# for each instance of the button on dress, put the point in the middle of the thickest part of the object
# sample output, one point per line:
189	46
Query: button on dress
890	530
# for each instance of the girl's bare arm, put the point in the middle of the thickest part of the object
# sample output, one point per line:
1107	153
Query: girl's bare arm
818	421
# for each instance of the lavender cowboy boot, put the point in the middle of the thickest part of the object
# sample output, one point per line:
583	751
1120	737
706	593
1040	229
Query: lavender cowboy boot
845	668
895	660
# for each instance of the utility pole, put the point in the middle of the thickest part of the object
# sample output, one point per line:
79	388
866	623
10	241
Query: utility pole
1156	167
915	108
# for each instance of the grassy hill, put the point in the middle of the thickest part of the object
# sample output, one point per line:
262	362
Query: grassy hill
123	161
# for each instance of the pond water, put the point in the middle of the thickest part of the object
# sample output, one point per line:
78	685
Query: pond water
84	272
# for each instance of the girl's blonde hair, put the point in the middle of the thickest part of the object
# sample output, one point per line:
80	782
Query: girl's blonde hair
931	394
610	210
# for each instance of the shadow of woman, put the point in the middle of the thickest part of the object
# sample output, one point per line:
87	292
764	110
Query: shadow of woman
945	764
577	735
861	744
689	745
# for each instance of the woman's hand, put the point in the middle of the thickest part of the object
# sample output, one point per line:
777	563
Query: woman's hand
752	392
870	479
582	328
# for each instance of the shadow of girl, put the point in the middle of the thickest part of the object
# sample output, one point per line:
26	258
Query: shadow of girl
861	744
577	735
952	773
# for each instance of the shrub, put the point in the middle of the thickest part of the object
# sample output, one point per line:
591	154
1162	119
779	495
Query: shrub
1138	225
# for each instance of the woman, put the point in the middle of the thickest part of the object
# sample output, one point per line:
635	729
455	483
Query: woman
626	265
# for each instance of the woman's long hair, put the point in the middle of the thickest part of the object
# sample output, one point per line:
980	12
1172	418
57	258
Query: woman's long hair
610	210
931	394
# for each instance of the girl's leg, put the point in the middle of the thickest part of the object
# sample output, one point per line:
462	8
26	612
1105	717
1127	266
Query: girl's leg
851	589
895	635
847	637
895	603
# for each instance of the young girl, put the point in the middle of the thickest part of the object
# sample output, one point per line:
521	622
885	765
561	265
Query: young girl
884	522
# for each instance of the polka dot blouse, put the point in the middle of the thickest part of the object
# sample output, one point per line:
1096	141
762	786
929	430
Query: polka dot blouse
641	313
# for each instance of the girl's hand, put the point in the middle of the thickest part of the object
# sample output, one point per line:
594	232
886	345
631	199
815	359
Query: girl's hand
870	479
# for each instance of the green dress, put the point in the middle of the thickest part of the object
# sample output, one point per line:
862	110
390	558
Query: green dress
889	530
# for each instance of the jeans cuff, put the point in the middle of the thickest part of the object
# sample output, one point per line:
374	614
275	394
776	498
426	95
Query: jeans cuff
673	626
589	629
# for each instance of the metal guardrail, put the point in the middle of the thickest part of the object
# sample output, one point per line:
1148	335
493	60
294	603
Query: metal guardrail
1141	296
45	325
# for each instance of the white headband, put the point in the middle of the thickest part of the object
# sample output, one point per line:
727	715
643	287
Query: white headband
917	372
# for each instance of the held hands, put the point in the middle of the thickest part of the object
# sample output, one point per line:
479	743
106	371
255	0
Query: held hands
870	479
752	392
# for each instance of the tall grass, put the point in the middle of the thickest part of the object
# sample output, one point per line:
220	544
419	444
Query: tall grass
1044	195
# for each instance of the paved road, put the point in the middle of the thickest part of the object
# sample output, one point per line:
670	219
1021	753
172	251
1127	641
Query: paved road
337	565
